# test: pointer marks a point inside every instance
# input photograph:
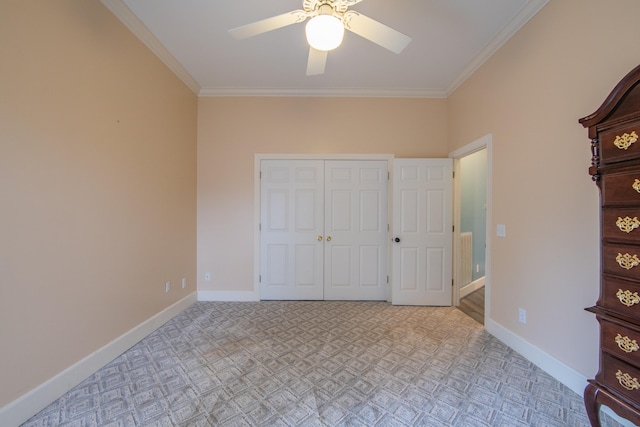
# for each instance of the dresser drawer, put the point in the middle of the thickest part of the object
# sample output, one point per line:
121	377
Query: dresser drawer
620	143
621	341
621	260
620	296
622	225
621	189
619	376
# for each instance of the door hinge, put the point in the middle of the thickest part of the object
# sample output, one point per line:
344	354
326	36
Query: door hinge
260	278
388	176
453	228
260	227
452	283
387	280
454	174
260	174
388	227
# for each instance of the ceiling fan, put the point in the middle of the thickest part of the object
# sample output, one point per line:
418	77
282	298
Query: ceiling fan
324	15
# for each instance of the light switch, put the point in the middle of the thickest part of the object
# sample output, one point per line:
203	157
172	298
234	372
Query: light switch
501	230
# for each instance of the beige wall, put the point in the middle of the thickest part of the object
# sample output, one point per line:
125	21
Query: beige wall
97	186
529	96
232	130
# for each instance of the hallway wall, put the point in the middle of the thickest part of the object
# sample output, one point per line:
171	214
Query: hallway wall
473	206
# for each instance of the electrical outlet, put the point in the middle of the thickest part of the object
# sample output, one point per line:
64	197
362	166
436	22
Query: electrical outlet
522	315
207	277
184	282
167	286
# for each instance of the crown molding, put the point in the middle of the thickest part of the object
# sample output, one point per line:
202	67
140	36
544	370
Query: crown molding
528	11
326	92
131	21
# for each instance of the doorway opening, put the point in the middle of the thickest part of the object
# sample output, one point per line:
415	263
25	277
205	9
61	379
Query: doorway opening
472	213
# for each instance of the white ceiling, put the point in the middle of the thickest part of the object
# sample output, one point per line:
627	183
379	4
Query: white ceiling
450	40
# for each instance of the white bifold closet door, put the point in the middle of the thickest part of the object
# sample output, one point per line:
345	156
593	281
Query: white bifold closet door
356	222
292	229
323	230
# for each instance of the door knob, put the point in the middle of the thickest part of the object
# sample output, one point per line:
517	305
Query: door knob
319	238
397	240
328	238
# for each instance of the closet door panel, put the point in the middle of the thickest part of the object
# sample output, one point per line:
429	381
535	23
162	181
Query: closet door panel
292	226
356	230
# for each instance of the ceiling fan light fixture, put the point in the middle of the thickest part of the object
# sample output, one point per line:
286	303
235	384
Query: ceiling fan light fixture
324	32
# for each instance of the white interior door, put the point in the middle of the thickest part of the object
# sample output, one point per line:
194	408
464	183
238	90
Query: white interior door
292	229
422	230
356	230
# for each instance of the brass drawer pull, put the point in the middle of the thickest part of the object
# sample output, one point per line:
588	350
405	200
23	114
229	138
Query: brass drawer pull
627	381
636	185
627	298
627	261
624	141
626	344
627	224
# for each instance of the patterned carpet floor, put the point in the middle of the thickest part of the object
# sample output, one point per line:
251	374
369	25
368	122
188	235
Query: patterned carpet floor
318	364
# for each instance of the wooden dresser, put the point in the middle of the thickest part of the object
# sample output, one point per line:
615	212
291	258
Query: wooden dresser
614	130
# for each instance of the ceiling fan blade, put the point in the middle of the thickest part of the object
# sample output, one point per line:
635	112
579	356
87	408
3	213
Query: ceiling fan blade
348	3
268	24
375	31
317	61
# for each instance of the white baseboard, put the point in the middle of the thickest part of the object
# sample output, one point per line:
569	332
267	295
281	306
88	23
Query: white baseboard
471	287
32	402
563	373
247	296
558	370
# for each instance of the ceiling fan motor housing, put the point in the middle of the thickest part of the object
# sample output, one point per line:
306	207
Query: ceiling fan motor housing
326	7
